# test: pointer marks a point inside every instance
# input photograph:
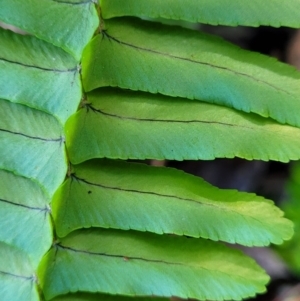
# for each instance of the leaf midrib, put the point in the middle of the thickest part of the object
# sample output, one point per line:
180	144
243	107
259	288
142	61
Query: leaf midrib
167	196
17	276
46	209
75	3
60	139
158	261
118	256
111	38
75	69
164	120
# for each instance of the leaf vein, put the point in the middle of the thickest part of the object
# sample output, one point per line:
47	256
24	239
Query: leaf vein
60	139
141	192
105	34
158	261
75	3
75	69
18	276
163	120
46	209
118	256
169	196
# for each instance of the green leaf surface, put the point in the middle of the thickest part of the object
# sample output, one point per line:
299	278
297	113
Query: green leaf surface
24	216
156	58
32	145
17	278
104	297
39	75
126	196
140	264
35	52
224	12
130	125
67	24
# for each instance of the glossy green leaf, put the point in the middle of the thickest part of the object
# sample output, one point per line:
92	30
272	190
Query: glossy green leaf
39	75
104	297
129	263
17	278
126	196
24	216
140	55
32	145
224	12
131	125
68	24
